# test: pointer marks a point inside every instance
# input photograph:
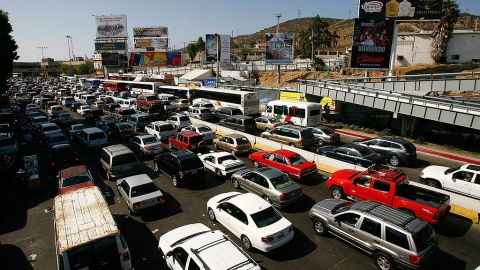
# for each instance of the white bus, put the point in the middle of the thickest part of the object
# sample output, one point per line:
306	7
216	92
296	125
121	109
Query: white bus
246	101
306	114
138	88
178	91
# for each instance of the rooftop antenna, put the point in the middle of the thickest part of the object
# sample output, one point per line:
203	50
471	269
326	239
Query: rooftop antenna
278	15
299	13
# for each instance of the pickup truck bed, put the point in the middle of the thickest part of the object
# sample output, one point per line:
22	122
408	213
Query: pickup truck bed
421	195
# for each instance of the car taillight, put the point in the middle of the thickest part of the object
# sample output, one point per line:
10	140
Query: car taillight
126	256
281	196
161	199
136	205
181	174
300	143
267	239
414	259
146	148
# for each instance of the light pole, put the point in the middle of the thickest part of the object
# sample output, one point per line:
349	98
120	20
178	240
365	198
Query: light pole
278	15
42	48
217	38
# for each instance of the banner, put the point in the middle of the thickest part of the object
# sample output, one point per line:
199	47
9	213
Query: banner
155	42
174	58
110	59
279	48
111	26
211	48
284	95
210	83
109	46
159	31
372	44
400	9
154	59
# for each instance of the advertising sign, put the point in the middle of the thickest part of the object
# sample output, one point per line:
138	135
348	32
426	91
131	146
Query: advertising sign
155	42
154	59
372	44
279	48
174	58
110	59
401	9
158	31
284	95
109	46
211	48
210	83
111	26
327	101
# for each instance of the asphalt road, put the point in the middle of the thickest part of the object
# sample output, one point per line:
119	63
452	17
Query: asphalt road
26	226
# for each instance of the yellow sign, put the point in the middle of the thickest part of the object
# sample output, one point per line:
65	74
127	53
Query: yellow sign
292	96
328	101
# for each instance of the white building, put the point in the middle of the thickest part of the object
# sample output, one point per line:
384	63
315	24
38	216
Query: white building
416	48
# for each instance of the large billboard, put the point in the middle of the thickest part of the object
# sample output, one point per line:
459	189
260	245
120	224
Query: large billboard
372	44
279	48
151	44
155	59
111	26
110	46
158	31
211	48
110	59
401	9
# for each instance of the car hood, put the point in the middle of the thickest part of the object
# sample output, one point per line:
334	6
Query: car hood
435	172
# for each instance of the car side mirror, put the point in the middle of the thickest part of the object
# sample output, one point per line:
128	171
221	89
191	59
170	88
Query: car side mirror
218	207
169	254
355	182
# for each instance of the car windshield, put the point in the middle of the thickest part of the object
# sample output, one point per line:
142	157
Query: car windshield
184	118
225	158
266	217
191	163
424	238
150	140
55	139
236	112
297	160
282	182
204	111
307	134
204	129
75	180
143	189
145	118
242	141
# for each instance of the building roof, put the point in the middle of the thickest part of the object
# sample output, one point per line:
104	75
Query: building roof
197	74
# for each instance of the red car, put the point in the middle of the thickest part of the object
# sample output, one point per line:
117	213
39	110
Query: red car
187	140
74	178
287	161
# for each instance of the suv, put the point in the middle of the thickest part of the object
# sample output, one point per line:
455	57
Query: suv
181	166
188	140
179	121
200	113
161	129
118	160
139	121
397	151
390	235
199	246
225	112
292	135
239	122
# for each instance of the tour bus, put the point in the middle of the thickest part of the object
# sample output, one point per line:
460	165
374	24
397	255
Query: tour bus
86	235
114	86
299	113
246	101
178	91
136	88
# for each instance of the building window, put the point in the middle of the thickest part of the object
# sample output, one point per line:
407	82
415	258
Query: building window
456	57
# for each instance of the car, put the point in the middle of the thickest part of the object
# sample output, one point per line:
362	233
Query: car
196	247
324	135
54	111
393	237
62	156
224	112
179	121
64	119
252	219
110	107
83	109
206	131
147	145
222	163
181	104
207	105
123	130
140	193
295	136
266	123
48	128
274	186
464	179
8	145
73	130
53	139
74	178
181	166
200	113
92	138
352	153
122	113
139	121
98	105
118	161
93	115
108	120
286	161
187	140
161	129
39	120
234	143
397	151
239	122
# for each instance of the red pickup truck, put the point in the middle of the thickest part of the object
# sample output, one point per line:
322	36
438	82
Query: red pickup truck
391	188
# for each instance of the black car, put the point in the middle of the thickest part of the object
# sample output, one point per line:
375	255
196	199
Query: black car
75	105
224	112
123	130
182	166
62	156
93	115
397	151
352	153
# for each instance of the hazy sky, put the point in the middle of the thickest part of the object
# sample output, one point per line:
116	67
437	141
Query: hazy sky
47	22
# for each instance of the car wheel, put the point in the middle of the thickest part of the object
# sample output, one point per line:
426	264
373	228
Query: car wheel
337	193
383	261
433	183
235	183
211	214
246	243
266	198
215	146
255	164
319	226
394	160
155	167
218	172
175	181
320	142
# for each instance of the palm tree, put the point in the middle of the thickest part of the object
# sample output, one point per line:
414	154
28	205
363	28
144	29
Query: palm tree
443	30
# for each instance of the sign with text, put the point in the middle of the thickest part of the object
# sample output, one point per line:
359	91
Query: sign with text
158	31
110	59
109	46
400	9
156	43
372	44
223	50
279	48
111	26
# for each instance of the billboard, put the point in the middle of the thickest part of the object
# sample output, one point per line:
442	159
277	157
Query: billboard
110	59
155	59
158	31
174	58
111	26
401	9
211	48
372	44
279	48
110	46
153	43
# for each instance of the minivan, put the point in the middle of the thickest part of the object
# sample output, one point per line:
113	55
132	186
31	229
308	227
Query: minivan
118	160
92	137
88	99
239	122
292	135
139	121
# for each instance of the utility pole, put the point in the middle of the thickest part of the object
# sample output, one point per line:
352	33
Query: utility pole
69	52
278	15
42	48
312	46
217	38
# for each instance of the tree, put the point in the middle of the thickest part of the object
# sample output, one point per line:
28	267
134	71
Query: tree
321	35
318	64
86	68
443	30
200	44
67	69
8	51
192	50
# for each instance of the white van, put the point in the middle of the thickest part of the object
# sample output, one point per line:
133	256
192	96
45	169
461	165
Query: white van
87	99
92	137
87	237
305	114
127	103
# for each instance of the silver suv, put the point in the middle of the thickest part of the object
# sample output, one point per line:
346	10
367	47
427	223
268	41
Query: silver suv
393	237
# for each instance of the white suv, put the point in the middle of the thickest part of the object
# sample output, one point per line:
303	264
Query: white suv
195	246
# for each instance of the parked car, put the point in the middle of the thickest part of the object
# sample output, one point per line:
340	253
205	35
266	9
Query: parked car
266	123
233	143
54	111
161	129
53	139
181	166
181	104
180	247
286	161
73	130
252	219
393	237
239	122
391	188
110	107
179	121
207	105
64	119
397	151
74	178
118	161
352	153
62	156
83	109
187	140
93	115
224	112
123	130
271	184
139	121
92	138
324	135
122	113
98	105
199	113
39	120
222	163
8	145
147	145
206	131
139	193
464	179
291	135
47	129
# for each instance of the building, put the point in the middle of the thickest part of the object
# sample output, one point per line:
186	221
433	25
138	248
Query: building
416	48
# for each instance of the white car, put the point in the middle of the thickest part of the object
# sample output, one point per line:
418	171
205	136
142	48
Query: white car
222	163
203	105
464	179
161	129
206	131
252	219
140	193
83	109
179	121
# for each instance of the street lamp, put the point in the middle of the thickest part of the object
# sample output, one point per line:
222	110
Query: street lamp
42	48
70	43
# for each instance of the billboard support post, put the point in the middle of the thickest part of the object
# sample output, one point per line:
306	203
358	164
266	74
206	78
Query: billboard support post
218	61
393	54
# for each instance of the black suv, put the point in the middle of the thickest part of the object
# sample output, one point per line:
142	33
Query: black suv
182	166
239	122
223	113
396	151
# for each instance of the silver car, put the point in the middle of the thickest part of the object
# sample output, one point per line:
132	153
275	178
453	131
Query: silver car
269	183
206	131
393	237
140	193
200	113
324	135
148	145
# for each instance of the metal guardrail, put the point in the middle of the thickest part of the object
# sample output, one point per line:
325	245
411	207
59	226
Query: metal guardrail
431	76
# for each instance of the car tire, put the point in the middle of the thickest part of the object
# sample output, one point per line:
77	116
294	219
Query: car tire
337	193
218	172
175	181
235	183
211	214
319	226
256	164
433	183
246	242
394	160
320	143
383	261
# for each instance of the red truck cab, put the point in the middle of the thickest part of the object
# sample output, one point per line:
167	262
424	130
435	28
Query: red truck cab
187	140
286	161
74	178
390	187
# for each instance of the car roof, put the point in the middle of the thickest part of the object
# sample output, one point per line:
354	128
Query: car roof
235	136
218	154
249	203
292	127
137	180
269	172
285	153
92	130
48	125
183	154
62	146
161	123
394	139
117	149
72	171
189	133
